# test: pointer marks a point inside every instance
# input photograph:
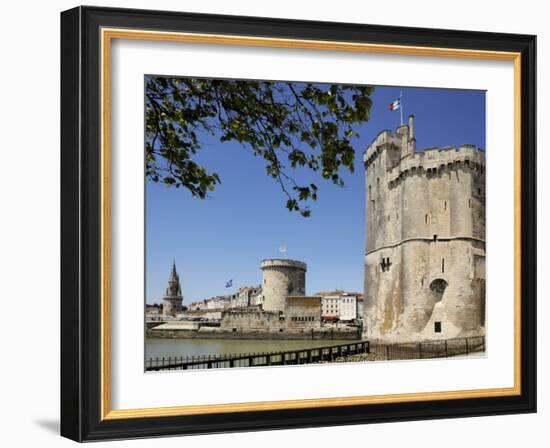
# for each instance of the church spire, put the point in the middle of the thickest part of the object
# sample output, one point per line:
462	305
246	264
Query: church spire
173	298
173	274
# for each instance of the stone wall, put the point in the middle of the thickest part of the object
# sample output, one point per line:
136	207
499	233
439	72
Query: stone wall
303	312
171	306
252	320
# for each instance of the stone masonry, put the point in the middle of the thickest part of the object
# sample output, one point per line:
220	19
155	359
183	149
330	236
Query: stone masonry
282	278
425	239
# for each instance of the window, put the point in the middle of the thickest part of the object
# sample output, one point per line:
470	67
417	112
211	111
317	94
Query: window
443	265
426	218
470	203
437	327
445	205
479	191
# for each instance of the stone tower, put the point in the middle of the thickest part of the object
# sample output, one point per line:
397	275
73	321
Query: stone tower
172	300
282	278
425	239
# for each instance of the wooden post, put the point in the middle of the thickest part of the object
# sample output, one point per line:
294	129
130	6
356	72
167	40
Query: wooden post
420	350
467	347
387	352
446	351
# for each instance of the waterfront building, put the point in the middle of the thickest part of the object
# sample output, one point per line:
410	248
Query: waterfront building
339	305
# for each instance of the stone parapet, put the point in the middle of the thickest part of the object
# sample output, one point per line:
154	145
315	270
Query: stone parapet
282	263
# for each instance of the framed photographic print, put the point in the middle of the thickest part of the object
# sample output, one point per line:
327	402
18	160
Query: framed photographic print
276	224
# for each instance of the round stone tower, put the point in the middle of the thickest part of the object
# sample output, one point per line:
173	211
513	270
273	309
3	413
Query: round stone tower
282	278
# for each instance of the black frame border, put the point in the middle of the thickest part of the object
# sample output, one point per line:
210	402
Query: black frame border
81	223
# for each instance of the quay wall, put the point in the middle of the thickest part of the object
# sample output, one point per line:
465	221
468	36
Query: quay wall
217	333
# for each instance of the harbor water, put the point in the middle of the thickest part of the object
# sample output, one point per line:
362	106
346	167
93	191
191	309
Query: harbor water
197	347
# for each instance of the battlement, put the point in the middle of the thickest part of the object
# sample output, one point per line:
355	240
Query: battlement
283	263
400	144
251	313
402	157
383	140
435	161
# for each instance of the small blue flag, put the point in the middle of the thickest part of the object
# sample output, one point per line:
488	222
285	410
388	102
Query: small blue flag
229	284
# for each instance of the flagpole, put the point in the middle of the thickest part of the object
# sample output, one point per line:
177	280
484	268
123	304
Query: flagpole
401	105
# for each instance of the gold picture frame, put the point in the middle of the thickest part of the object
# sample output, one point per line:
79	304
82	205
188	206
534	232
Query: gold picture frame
109	25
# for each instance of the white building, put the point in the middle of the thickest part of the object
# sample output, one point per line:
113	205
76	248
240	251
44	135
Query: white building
218	303
256	297
339	305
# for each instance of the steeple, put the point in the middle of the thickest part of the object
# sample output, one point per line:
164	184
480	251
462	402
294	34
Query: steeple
172	299
174	278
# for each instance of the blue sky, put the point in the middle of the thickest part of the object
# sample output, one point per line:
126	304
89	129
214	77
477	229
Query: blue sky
245	220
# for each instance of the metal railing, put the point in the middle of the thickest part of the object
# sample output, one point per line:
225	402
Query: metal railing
293	357
340	353
443	348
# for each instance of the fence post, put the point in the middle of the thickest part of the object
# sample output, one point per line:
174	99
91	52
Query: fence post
483	340
420	350
387	352
446	351
467	347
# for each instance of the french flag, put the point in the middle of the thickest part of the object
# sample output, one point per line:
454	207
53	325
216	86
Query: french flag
395	105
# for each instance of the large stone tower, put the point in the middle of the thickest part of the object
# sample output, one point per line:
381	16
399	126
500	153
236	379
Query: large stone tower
282	278
172	300
425	239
